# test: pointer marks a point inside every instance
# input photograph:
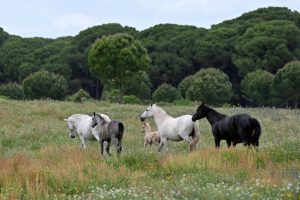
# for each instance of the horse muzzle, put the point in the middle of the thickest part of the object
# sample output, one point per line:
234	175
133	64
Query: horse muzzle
72	136
194	119
142	119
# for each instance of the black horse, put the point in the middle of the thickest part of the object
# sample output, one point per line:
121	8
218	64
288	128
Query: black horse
240	128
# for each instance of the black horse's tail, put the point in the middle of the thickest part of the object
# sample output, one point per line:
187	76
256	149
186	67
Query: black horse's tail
121	130
256	132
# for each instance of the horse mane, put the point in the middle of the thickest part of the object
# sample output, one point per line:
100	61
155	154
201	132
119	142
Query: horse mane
218	114
213	115
75	118
102	119
161	111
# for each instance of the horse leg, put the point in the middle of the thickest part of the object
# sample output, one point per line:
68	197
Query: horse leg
119	147
162	143
83	146
145	144
101	146
255	144
107	147
217	142
187	139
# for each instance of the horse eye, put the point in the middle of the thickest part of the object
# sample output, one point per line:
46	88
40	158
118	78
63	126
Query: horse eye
147	110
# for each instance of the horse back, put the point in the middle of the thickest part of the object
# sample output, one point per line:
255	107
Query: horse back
116	128
247	126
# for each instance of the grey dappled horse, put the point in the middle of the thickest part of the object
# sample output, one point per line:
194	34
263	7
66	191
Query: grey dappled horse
108	131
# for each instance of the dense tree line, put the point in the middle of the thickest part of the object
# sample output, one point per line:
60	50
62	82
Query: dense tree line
254	57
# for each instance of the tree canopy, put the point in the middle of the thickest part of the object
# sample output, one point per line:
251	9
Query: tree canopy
264	39
117	57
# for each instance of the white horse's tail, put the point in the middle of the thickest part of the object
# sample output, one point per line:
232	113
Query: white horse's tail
195	136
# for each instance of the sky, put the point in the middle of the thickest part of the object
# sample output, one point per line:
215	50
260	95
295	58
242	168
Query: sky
56	18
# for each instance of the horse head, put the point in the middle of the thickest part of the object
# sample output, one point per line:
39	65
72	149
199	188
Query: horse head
146	128
148	112
97	120
71	128
201	112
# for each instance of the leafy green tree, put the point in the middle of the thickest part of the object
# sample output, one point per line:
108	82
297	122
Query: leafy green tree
3	36
287	83
185	85
116	58
258	87
11	90
171	48
43	84
168	68
138	85
166	93
267	46
211	86
215	48
249	19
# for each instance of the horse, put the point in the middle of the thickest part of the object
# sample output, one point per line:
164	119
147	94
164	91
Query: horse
174	129
151	137
239	128
80	124
108	131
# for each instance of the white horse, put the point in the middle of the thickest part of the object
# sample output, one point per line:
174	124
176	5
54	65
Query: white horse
174	129
81	125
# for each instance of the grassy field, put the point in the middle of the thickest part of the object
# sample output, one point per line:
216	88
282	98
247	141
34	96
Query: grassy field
38	159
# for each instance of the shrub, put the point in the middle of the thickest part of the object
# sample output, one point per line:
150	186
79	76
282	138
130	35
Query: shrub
139	86
287	83
166	93
111	95
185	84
211	86
43	84
257	85
131	99
80	95
12	91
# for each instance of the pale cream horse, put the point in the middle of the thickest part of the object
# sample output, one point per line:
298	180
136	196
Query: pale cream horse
174	129
151	137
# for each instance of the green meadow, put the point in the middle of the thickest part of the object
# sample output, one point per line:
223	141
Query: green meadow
38	159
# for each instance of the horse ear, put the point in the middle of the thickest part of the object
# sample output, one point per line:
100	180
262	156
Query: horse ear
94	114
202	104
154	105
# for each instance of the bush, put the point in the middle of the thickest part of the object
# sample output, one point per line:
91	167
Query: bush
185	84
139	86
257	86
111	95
166	93
131	99
80	95
287	83
211	86
43	84
12	91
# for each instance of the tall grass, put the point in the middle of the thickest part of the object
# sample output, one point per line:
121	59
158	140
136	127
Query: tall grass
38	160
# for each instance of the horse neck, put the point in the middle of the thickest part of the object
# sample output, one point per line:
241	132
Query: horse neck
160	115
147	130
213	116
99	121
